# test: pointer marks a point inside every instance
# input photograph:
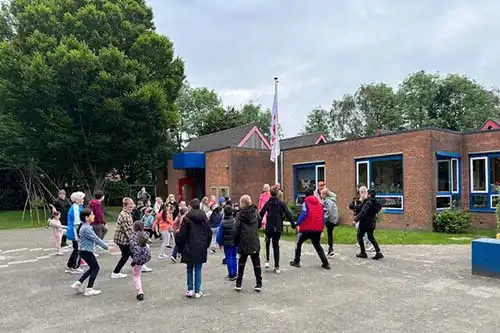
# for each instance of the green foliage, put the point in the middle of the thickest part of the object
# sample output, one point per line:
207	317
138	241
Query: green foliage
91	83
452	221
295	209
114	192
317	122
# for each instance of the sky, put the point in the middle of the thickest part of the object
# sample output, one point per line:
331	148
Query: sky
323	49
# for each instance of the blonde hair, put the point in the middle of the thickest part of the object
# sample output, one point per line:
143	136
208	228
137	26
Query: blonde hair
325	192
77	196
126	201
266	188
245	201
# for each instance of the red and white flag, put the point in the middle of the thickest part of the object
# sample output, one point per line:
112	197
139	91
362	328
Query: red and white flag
275	142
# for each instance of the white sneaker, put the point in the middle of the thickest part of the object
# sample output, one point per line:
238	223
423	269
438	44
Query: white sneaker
59	253
162	256
77	286
277	270
174	260
189	293
91	292
146	269
73	270
118	275
199	294
79	270
266	265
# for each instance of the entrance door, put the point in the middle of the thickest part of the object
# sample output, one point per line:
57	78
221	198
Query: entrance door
320	174
187	189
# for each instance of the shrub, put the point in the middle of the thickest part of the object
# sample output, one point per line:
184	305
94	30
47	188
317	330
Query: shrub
115	191
452	221
295	209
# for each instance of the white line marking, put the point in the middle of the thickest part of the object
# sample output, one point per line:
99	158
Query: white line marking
16	250
43	257
45	250
4	266
22	261
36	249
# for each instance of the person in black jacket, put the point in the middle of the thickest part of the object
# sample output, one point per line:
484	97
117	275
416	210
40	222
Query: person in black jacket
225	239
367	218
62	205
355	206
246	238
193	241
276	211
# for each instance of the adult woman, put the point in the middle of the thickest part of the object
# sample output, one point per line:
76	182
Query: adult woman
123	233
204	205
62	205
263	199
355	206
74	222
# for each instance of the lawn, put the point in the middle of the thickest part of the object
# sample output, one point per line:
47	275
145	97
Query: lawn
14	220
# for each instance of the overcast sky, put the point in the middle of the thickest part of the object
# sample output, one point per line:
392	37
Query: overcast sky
322	49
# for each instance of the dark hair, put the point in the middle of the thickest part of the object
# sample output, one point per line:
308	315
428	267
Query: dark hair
56	213
194	204
274	192
98	195
309	192
182	210
86	212
228	203
142	239
228	211
372	193
138	226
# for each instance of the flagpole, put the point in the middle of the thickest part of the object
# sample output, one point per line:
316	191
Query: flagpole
277	131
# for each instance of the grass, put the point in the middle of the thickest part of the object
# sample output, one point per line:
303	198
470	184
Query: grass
14	220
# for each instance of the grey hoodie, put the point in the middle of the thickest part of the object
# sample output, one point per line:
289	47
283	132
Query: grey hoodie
330	209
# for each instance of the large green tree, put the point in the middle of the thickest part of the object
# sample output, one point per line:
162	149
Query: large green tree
90	84
317	122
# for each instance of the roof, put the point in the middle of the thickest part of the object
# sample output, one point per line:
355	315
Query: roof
219	140
495	120
299	141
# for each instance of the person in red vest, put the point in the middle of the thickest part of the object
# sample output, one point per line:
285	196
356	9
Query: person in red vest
311	222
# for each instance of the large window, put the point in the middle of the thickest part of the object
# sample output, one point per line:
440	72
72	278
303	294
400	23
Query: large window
448	180
385	176
484	181
306	177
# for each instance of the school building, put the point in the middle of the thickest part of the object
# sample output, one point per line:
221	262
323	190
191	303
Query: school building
415	173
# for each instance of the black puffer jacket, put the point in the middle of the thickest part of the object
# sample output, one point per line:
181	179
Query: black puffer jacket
276	211
355	206
246	236
367	217
194	238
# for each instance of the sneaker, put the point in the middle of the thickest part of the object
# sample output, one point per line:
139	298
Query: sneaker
189	293
362	255
198	294
59	254
326	266
146	269
294	264
140	297
277	270
162	256
118	275
237	288
370	249
331	253
77	286
378	256
173	259
91	292
224	261
266	265
258	288
212	251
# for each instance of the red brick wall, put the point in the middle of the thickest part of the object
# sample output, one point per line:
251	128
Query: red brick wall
250	170
340	173
217	169
488	141
173	177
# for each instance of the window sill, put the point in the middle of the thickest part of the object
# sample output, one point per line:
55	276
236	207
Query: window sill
482	210
393	211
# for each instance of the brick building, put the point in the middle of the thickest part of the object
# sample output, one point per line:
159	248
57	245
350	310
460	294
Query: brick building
415	173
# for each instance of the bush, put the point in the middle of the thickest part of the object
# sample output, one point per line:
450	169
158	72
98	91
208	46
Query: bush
115	191
295	209
452	221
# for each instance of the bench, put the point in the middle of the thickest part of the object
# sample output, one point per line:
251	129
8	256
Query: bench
486	257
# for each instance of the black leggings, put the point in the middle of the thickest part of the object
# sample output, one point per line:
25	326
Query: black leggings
63	240
125	249
256	267
93	268
329	233
273	237
74	258
369	231
315	237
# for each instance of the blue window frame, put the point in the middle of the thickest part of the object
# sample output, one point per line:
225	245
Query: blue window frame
484	176
448	180
383	174
306	176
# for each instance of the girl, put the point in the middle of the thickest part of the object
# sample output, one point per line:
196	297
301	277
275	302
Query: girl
177	227
214	221
58	230
164	221
88	241
148	221
158	205
263	199
73	266
193	241
355	206
204	205
141	254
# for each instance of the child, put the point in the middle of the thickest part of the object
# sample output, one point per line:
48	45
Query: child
141	254
214	221
57	229
177	228
88	240
164	222
225	239
193	241
148	221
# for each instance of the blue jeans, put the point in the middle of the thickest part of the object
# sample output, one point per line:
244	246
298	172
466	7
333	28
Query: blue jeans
232	264
196	270
174	253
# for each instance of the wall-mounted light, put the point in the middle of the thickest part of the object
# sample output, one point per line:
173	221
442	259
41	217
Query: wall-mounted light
227	167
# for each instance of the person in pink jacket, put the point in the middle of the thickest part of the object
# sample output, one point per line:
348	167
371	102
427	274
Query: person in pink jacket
263	198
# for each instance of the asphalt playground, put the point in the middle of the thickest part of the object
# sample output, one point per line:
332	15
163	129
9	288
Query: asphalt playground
414	289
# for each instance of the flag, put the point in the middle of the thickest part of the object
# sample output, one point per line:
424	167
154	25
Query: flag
275	142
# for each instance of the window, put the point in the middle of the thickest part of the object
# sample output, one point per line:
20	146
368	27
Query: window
306	177
220	191
385	176
484	181
448	180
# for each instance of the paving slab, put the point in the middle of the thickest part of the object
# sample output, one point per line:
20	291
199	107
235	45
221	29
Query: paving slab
414	289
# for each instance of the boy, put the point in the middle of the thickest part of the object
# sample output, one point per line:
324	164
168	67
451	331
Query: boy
225	239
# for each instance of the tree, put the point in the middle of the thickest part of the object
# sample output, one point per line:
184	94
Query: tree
346	120
92	84
317	122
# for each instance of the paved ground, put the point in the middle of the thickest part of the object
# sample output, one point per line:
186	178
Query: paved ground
415	289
